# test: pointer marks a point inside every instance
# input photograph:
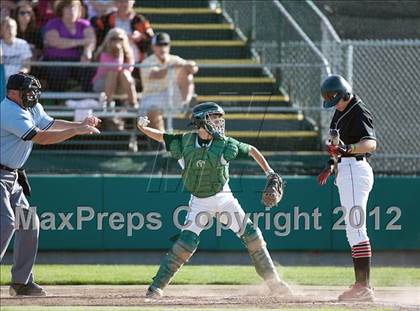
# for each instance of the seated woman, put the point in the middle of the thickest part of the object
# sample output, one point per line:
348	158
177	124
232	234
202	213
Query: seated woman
115	49
68	38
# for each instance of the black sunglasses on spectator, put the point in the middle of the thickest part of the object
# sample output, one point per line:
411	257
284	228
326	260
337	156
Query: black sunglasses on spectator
117	39
162	44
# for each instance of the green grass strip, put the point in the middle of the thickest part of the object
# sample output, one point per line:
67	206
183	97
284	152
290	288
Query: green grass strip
229	275
85	308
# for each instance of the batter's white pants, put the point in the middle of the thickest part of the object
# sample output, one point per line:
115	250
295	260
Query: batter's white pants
354	181
222	207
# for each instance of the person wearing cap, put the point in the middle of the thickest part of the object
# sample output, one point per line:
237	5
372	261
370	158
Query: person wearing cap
23	123
165	74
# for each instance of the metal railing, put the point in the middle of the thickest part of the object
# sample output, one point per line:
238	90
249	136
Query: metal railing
384	75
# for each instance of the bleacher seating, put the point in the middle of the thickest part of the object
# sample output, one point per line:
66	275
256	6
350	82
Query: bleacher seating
360	20
258	112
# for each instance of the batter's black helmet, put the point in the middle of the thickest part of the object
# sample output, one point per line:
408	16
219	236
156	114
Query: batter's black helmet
200	118
333	89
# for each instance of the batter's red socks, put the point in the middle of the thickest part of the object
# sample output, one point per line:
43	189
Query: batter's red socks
361	254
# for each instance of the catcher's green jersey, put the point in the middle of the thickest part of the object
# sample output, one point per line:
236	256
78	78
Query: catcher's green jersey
205	166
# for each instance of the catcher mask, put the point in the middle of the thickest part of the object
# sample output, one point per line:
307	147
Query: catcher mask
209	116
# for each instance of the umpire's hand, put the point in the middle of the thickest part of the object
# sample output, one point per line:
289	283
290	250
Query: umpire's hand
86	130
92	121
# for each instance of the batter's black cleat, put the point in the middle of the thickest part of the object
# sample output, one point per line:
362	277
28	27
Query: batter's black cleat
30	289
278	288
154	293
357	292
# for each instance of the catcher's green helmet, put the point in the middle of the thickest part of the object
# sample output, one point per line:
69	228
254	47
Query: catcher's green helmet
200	118
333	89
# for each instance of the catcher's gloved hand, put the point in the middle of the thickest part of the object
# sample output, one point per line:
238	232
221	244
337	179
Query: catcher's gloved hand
142	121
273	191
325	173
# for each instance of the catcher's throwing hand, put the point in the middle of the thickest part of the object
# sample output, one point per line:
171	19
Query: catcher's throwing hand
142	122
273	191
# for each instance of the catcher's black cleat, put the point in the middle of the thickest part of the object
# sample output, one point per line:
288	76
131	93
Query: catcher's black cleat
357	292
30	289
154	292
279	288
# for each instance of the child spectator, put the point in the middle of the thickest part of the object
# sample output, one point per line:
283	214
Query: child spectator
115	49
68	38
16	52
156	79
136	26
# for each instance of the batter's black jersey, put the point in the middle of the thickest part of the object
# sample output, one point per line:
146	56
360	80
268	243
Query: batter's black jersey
354	123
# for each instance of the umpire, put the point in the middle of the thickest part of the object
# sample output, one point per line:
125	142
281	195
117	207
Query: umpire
23	122
353	139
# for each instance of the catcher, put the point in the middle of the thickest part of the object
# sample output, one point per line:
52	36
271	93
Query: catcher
204	156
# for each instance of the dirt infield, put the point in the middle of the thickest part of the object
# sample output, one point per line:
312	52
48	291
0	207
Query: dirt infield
227	296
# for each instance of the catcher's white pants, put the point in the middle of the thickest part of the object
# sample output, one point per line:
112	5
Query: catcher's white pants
354	181
222	207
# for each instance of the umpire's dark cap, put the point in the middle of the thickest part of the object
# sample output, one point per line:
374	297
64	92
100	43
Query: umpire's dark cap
15	81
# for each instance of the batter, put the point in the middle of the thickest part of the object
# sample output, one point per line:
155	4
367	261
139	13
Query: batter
354	140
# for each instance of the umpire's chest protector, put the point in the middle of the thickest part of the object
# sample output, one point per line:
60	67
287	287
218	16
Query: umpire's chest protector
206	169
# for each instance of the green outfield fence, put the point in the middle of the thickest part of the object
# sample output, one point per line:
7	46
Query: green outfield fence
66	202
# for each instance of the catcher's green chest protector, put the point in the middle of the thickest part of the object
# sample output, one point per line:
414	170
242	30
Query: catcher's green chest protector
204	173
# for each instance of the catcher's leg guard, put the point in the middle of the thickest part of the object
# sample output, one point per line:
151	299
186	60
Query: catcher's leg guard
257	249
179	254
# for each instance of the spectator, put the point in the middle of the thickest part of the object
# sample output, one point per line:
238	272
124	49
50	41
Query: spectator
156	81
136	26
68	38
15	51
97	8
115	49
44	12
27	29
7	7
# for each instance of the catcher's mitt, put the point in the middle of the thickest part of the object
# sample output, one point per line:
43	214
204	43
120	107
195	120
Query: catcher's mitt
273	191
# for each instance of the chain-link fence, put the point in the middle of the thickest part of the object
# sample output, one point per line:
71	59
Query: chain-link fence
385	75
276	37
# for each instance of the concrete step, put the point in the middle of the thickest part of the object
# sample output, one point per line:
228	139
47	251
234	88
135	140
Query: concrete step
173	3
181	31
182	15
257	122
256	100
229	72
211	49
238	85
